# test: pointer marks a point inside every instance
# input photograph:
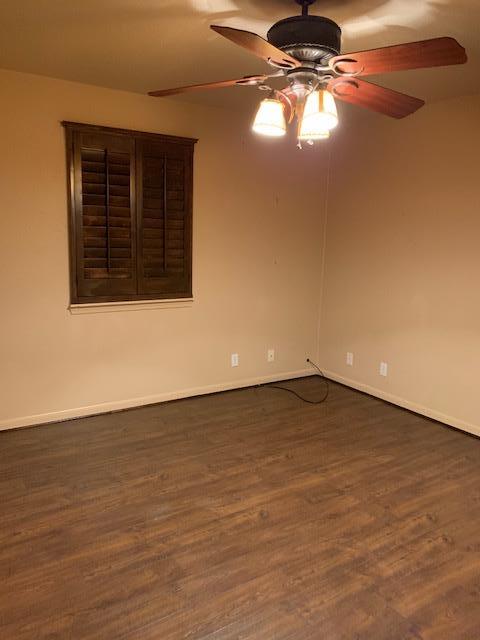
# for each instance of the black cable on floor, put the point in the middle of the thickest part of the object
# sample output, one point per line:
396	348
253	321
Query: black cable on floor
320	373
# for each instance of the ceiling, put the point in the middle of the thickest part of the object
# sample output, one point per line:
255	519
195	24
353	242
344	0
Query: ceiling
139	45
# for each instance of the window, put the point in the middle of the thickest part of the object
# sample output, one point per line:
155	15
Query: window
130	214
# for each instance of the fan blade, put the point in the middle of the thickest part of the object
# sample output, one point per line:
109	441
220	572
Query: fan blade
411	55
258	46
247	80
365	94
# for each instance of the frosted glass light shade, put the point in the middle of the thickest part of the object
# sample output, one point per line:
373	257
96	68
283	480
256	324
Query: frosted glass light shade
270	119
320	105
313	128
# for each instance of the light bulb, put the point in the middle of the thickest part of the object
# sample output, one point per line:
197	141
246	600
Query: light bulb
320	116
270	119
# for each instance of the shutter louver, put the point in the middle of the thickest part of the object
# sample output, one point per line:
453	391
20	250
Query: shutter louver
106	214
153	217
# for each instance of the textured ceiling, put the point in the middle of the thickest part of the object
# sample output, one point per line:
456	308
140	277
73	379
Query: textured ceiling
139	45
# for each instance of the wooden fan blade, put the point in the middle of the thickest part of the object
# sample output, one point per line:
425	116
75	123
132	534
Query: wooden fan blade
258	46
365	94
209	85
438	52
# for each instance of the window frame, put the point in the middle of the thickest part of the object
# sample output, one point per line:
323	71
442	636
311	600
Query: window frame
75	242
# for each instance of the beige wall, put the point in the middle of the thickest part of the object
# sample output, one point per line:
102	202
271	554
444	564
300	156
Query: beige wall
400	276
402	270
255	268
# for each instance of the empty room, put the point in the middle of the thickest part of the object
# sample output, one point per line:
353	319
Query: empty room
240	320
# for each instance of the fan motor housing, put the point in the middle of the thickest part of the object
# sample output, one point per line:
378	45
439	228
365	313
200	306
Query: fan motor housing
307	38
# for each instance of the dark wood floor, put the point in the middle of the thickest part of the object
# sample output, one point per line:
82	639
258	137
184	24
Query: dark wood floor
244	515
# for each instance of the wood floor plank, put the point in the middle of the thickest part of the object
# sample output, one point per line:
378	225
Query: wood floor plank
241	516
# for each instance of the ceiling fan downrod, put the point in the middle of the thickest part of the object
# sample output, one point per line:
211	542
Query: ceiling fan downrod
305	4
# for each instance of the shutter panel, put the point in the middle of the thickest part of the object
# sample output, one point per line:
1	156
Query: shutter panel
104	216
164	220
130	203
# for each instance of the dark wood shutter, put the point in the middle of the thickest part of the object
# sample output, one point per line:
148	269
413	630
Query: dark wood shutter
130	214
104	216
164	204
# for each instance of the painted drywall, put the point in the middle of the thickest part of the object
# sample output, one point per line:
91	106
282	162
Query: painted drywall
402	266
255	264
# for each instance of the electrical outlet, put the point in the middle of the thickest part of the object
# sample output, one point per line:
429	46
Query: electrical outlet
350	358
234	359
270	355
383	369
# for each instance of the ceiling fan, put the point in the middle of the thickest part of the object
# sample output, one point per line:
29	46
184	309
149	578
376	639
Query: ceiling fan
305	50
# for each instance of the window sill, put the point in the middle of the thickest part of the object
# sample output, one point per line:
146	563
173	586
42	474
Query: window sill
135	305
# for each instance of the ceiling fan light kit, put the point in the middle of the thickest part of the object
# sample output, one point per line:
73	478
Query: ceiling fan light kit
305	50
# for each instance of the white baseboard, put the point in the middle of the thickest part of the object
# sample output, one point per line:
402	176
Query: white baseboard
406	404
118	405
